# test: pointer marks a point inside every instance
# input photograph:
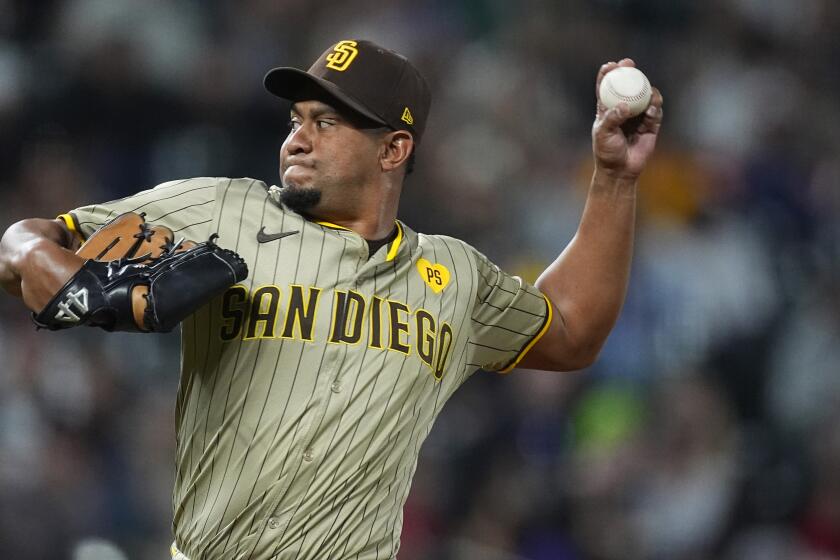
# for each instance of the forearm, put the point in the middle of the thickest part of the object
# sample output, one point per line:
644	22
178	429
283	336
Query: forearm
34	257
587	283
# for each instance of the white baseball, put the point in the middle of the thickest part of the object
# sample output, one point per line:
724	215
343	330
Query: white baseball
627	84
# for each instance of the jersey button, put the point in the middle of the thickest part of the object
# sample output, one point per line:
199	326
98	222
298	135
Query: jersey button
307	455
336	386
273	523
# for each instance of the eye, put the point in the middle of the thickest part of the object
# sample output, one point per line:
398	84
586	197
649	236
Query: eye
325	123
294	124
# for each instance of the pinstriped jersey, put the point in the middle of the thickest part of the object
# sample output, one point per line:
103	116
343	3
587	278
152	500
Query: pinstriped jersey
307	390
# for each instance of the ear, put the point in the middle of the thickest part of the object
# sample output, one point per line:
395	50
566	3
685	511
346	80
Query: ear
396	147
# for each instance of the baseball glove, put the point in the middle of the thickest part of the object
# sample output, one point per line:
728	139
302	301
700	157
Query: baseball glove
137	278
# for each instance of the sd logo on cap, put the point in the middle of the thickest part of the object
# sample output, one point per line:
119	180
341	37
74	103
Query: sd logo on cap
343	54
373	81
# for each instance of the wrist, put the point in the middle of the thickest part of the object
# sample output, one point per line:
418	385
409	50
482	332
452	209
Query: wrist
615	173
613	180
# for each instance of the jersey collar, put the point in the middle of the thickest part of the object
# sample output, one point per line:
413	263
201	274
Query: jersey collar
393	249
395	244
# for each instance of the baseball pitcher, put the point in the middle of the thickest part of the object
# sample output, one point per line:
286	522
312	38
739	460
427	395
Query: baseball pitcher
321	336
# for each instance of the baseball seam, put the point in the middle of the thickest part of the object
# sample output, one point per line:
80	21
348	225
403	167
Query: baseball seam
638	97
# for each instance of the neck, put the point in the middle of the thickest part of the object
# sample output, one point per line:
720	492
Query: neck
373	219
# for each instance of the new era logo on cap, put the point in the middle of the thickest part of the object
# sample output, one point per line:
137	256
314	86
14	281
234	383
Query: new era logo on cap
407	117
369	79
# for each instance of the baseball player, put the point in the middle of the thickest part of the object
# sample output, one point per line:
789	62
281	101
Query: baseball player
307	389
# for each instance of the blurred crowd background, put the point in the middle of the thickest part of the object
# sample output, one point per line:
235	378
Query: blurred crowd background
708	429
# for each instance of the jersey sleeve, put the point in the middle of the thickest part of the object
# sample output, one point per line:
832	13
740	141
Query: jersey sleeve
185	206
509	317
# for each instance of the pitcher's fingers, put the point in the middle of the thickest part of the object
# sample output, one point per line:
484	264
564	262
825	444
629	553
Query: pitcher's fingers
613	118
656	98
653	114
606	67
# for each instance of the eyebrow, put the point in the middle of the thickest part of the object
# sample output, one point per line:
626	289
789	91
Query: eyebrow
318	111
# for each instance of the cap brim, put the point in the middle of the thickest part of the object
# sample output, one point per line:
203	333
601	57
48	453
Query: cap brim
295	85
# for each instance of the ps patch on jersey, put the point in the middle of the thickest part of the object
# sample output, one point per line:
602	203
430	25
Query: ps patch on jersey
435	275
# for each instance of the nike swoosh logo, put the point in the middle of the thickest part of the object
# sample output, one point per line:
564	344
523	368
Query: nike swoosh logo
264	237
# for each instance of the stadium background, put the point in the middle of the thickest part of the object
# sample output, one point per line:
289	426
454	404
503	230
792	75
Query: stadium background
708	429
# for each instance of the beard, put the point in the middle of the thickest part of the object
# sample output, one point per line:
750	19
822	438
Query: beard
300	200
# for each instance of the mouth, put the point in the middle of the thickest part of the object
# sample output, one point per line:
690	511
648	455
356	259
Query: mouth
296	174
296	162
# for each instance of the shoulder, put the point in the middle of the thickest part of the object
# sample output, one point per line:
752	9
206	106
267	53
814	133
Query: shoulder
457	249
241	185
189	182
239	182
457	256
221	183
197	185
179	189
428	240
462	257
241	190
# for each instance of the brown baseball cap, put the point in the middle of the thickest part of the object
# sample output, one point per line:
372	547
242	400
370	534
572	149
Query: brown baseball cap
373	81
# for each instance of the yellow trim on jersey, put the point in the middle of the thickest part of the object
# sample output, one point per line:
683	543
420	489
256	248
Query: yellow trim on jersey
534	340
70	222
332	225
395	246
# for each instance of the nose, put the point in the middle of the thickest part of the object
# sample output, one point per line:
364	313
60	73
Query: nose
299	141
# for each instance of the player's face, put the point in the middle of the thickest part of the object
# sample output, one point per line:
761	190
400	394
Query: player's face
326	160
